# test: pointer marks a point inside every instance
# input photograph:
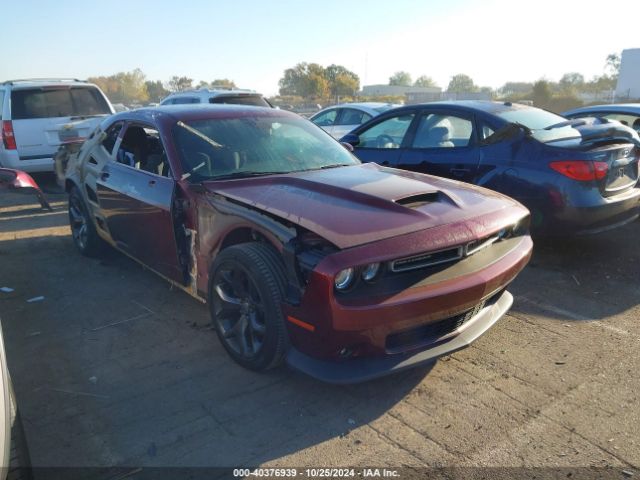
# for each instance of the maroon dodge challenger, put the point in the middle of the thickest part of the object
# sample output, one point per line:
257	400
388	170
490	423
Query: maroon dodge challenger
342	270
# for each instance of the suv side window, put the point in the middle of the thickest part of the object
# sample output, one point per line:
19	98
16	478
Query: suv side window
142	149
1	102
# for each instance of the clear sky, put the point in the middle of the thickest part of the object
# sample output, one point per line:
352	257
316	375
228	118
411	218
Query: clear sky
252	42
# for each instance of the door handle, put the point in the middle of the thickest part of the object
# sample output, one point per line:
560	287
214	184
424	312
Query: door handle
104	175
152	183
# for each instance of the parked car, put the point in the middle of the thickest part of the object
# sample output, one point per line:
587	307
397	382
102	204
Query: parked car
346	271
217	95
339	120
625	113
34	111
575	177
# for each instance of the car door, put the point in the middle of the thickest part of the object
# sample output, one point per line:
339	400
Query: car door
135	192
442	143
384	140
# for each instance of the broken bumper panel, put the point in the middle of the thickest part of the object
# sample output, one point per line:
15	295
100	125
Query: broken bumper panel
367	368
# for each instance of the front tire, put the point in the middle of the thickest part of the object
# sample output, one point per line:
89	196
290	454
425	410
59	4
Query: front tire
246	288
83	231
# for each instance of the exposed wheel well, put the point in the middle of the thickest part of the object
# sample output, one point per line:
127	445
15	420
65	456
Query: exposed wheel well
242	235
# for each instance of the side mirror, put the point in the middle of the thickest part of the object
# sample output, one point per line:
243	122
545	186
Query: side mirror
348	146
352	139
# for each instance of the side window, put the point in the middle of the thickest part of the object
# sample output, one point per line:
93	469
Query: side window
142	149
442	131
112	135
1	102
389	133
486	131
184	100
632	121
326	119
351	116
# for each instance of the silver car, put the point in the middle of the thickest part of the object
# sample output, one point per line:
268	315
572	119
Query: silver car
339	120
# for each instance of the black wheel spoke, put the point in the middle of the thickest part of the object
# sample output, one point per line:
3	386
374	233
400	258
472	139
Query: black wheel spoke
256	323
225	297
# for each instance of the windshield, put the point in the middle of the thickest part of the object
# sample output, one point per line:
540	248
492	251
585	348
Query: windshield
261	145
538	120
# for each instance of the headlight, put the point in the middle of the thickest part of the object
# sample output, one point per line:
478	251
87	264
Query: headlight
370	271
344	278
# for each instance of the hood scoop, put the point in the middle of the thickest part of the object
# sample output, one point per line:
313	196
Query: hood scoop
419	200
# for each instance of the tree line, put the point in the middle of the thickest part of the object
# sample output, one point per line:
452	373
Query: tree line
314	82
133	87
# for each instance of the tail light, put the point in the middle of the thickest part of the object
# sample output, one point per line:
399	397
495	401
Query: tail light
8	138
581	170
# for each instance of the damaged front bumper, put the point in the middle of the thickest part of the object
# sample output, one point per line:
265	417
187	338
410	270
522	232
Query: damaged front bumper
367	368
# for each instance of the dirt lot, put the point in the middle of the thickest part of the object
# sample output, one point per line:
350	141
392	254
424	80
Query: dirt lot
113	367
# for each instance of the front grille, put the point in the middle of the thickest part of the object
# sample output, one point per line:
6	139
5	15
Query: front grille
426	259
431	333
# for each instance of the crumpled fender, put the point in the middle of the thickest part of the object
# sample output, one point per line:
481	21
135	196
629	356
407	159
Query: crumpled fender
21	182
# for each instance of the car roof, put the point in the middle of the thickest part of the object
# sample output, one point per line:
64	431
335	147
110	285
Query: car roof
212	91
196	111
40	82
619	107
475	105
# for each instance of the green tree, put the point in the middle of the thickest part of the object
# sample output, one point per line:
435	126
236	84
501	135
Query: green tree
223	82
572	79
305	80
612	64
461	83
541	93
424	81
124	87
179	84
400	78
341	81
156	90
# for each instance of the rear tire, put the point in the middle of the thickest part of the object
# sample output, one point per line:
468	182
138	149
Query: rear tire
246	288
83	230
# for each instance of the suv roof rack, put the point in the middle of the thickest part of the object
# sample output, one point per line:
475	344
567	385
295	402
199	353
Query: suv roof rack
11	82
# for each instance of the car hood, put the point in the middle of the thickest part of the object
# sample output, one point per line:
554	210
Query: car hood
350	206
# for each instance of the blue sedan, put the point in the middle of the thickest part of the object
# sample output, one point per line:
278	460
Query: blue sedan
575	176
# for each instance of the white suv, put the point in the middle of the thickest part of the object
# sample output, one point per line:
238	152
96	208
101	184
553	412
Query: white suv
34	112
217	95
